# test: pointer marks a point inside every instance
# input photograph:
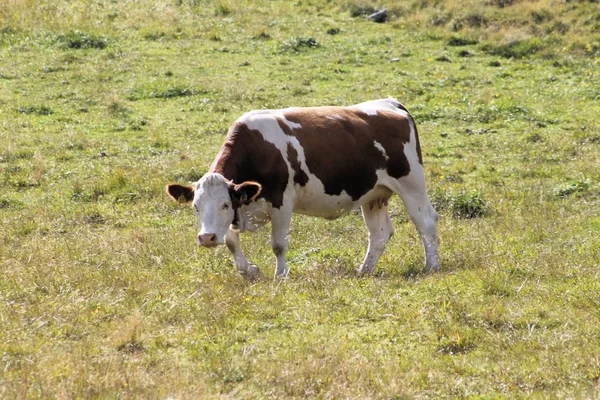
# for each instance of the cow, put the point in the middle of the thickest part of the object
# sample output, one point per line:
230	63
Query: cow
317	161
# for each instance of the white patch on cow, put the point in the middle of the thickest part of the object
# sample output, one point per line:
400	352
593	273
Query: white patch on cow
410	148
379	147
253	216
280	224
312	200
381	229
253	113
368	108
335	117
270	130
373	106
291	124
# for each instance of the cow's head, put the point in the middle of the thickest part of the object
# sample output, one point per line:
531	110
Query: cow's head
216	202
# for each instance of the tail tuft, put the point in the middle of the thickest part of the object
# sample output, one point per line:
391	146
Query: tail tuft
397	104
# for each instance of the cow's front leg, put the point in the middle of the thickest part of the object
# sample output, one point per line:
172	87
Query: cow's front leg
280	225
232	239
380	228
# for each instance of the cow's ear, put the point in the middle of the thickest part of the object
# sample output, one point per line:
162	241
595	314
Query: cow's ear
247	191
181	193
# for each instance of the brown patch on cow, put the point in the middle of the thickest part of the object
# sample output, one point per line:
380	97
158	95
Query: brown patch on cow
300	176
247	156
284	127
339	146
392	130
381	202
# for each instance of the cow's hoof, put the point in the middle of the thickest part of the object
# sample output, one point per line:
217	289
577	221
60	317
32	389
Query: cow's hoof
432	268
282	276
251	273
363	271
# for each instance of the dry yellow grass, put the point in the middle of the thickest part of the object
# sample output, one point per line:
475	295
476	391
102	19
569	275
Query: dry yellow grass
104	295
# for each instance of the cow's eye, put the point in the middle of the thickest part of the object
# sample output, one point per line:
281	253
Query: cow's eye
225	206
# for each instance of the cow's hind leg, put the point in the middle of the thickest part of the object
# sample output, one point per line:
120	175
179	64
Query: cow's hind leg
380	227
413	192
280	229
232	240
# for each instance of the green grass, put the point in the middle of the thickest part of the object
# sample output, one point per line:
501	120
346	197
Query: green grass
104	294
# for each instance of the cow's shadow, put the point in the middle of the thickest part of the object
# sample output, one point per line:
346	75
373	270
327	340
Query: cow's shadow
410	271
407	272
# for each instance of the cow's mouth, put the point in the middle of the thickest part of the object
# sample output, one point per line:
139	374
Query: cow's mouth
208	245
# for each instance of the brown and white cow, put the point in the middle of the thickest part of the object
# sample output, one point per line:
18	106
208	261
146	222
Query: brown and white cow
319	161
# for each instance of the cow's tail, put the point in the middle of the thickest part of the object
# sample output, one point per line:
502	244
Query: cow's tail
400	106
397	104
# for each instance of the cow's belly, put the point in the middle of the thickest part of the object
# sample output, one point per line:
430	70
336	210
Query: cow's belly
324	205
335	206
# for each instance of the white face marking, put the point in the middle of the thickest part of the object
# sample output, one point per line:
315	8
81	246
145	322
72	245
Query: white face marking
379	147
213	207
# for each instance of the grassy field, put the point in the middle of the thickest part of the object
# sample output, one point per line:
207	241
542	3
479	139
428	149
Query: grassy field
103	293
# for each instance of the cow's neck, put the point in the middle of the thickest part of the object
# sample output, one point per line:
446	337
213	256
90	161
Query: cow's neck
231	160
227	165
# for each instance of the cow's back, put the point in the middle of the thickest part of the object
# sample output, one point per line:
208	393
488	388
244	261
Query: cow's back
330	157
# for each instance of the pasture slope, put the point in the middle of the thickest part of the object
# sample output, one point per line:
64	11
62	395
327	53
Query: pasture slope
103	293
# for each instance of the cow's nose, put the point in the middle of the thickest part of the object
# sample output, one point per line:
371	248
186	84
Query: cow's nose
207	239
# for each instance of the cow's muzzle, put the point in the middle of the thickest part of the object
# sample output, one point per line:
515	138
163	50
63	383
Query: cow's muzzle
207	239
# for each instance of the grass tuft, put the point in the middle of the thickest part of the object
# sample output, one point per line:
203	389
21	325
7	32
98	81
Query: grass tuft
466	54
469	205
163	92
175	91
81	40
262	35
7	202
443	58
495	286
456	344
516	49
463	205
358	8
577	186
298	43
222	9
128	339
460	41
35	110
115	106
